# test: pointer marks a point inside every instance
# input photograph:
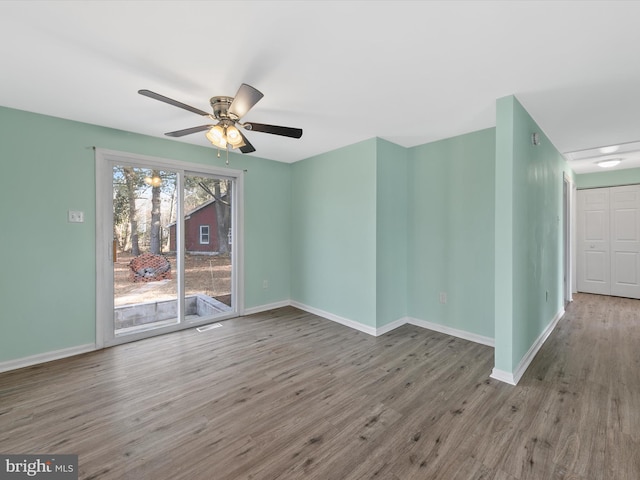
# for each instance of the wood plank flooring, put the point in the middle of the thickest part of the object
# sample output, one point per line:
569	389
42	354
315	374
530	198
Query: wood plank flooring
287	395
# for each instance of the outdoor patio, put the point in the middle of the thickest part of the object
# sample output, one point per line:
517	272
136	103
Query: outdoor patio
149	304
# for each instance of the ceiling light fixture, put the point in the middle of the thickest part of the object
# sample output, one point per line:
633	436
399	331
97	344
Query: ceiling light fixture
611	149
612	162
223	136
234	137
217	137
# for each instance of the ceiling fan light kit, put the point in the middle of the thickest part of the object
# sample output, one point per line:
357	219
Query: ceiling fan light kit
233	137
225	136
227	111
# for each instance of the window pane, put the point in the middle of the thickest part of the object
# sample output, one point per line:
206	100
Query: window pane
207	222
145	287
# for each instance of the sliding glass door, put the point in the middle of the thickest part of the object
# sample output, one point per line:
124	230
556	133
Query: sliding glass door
166	246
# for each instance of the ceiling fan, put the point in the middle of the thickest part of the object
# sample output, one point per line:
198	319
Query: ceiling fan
227	112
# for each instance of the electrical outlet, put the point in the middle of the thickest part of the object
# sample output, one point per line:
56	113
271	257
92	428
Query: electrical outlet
75	216
443	297
265	284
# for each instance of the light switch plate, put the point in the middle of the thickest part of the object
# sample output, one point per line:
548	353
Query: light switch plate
76	216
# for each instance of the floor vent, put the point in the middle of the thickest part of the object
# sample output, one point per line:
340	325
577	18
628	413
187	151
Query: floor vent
208	327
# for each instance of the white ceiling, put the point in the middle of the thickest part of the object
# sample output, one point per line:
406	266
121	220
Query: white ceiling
410	72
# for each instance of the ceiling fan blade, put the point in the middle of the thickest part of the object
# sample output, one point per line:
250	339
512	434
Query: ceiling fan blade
188	131
244	100
170	101
274	129
247	147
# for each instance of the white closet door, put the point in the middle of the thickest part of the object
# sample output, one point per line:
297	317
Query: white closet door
594	264
625	241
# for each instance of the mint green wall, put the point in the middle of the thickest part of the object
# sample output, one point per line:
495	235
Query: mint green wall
372	232
529	253
391	251
47	278
267	223
504	233
333	254
451	232
432	210
629	176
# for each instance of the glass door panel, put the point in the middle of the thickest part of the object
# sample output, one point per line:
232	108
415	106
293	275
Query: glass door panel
144	259
208	244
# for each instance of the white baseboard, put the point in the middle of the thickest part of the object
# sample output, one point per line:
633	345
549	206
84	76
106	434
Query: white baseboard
391	326
266	307
454	332
335	318
45	357
503	376
472	337
514	378
537	345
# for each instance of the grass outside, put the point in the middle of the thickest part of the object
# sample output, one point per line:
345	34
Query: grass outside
204	274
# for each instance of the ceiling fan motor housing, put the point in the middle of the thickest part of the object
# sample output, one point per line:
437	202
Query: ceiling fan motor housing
221	106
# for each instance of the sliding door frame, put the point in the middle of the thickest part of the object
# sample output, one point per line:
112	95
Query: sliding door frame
104	162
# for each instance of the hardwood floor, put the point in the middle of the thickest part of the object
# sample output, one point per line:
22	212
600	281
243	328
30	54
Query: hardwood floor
287	395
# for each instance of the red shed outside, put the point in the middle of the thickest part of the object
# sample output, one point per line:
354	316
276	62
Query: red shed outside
201	230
